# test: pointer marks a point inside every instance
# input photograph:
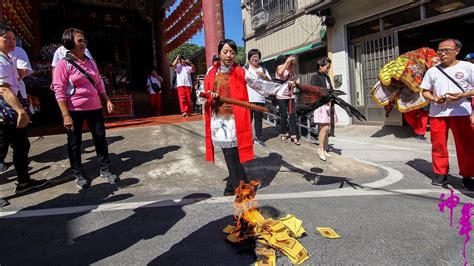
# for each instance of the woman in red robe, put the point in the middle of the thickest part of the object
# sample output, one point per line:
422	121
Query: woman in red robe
229	126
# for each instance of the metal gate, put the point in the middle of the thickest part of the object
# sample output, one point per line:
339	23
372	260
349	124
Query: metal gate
369	55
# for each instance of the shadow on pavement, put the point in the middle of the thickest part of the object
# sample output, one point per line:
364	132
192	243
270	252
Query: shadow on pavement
397	131
26	245
266	169
426	168
217	251
59	153
120	163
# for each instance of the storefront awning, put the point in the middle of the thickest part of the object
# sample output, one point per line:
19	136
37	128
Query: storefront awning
296	51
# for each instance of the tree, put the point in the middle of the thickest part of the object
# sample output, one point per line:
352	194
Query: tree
187	50
241	57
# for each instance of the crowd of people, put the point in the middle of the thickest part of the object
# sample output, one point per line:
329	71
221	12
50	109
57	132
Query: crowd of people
79	89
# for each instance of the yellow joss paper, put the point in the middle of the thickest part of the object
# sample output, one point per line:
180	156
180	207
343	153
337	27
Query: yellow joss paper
294	225
233	238
328	232
229	229
266	256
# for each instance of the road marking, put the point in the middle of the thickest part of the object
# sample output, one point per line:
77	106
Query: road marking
343	192
387	146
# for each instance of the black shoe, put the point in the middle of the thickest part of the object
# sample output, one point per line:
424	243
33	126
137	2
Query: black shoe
468	183
20	188
3	202
3	167
82	181
228	192
260	142
107	175
439	180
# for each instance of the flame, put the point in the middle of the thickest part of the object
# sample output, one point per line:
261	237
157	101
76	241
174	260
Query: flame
270	235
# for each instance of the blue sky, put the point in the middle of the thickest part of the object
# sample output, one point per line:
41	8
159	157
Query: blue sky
232	23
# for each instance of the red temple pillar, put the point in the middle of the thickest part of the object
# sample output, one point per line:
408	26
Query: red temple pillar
36	30
163	66
213	17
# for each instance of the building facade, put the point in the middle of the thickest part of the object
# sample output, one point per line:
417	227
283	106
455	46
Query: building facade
284	27
360	36
367	34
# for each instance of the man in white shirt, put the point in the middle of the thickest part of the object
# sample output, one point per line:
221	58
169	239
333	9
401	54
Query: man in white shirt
448	86
184	68
60	53
22	63
256	70
154	88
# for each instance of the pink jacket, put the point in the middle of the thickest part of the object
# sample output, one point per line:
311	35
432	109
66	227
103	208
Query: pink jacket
86	96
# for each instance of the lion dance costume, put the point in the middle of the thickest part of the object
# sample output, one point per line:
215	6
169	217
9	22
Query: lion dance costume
399	81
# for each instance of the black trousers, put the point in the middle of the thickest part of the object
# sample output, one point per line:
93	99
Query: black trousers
236	169
284	106
258	121
18	139
3	151
95	121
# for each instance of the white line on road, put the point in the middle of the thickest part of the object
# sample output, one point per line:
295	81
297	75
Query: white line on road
343	192
385	146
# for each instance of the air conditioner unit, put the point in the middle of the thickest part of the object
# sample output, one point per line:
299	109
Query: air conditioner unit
260	19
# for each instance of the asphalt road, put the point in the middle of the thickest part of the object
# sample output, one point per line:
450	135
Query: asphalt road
169	210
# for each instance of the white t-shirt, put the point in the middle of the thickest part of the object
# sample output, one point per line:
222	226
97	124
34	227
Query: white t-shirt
183	75
153	80
435	81
61	53
20	59
8	73
255	97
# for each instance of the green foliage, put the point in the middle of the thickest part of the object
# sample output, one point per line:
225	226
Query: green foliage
241	57
187	50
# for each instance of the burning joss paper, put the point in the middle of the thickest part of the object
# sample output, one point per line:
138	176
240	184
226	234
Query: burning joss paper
328	232
270	235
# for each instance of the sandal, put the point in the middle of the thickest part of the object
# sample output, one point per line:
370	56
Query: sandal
294	139
284	138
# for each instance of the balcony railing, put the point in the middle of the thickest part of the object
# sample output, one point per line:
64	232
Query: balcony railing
267	11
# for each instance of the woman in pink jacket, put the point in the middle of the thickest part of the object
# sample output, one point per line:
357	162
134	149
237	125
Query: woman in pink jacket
78	88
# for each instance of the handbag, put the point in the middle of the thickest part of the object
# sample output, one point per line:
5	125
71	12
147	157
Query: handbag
154	86
8	116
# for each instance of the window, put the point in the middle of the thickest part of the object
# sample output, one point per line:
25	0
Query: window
402	18
266	11
442	6
365	29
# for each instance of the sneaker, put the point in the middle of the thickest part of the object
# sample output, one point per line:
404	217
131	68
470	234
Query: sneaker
107	175
82	182
20	188
468	183
260	142
439	180
3	202
420	137
3	167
